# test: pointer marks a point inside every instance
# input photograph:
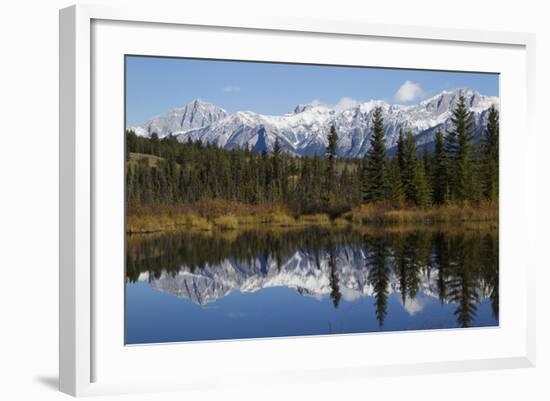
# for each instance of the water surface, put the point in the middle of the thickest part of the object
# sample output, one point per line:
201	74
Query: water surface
311	281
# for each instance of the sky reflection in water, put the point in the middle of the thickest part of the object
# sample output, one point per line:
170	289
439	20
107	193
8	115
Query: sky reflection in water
187	287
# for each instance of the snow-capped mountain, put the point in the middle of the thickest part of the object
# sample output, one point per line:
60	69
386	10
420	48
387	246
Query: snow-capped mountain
304	130
181	119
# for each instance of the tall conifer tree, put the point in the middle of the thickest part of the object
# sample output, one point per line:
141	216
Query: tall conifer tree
330	177
410	166
459	153
400	154
277	171
395	186
439	179
375	165
489	162
423	195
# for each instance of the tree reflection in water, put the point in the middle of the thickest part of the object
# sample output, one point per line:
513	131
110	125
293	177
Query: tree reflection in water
458	267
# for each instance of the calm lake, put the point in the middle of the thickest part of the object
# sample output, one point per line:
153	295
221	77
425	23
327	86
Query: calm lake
309	281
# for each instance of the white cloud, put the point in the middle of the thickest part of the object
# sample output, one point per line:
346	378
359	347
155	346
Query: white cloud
345	103
413	306
409	91
349	294
231	88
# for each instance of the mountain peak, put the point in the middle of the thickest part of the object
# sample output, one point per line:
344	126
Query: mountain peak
300	108
466	92
199	103
303	131
195	114
447	100
372	104
314	105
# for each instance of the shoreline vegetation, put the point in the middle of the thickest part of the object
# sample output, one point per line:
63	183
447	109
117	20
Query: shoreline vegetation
192	185
226	216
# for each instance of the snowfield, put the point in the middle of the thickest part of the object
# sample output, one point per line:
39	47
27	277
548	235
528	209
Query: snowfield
304	130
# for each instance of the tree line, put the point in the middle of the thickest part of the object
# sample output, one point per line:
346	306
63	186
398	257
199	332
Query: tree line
459	170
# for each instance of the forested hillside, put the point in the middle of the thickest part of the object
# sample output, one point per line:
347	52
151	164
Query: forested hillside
459	171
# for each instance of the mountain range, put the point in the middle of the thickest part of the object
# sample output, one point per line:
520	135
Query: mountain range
304	130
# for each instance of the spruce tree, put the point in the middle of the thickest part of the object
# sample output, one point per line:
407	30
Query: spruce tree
155	144
130	185
410	167
344	185
439	171
330	177
427	159
332	145
363	180
401	150
489	158
375	165
423	194
378	277
459	152
317	170
335	293
395	186
276	188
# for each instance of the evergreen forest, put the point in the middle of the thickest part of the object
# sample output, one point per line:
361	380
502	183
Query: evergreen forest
459	171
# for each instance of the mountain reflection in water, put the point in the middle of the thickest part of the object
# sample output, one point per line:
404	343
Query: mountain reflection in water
335	276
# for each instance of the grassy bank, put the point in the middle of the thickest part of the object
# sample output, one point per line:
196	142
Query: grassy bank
222	215
219	216
381	214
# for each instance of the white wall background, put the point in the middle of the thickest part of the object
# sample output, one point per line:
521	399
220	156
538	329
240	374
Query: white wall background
29	186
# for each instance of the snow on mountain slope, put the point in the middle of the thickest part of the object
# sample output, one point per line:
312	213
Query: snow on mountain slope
194	115
304	130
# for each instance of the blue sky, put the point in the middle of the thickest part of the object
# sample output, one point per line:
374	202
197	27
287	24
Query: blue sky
154	85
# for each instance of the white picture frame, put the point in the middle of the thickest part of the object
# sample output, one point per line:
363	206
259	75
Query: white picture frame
90	364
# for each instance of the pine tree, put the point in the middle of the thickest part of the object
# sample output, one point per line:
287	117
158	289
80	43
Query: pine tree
375	166
409	171
400	154
131	142
344	185
395	187
378	277
490	155
155	144
276	187
330	177
462	283
459	153
439	171
130	185
427	160
317	170
363	180
332	145
423	194
335	293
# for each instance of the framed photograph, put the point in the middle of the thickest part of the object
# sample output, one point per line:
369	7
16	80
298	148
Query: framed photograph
296	200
